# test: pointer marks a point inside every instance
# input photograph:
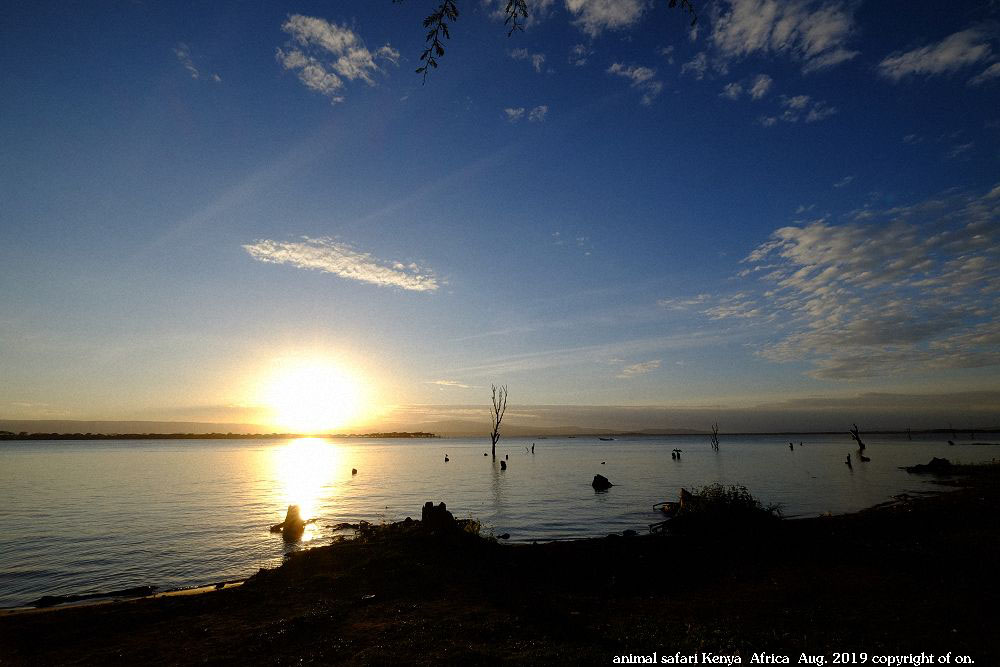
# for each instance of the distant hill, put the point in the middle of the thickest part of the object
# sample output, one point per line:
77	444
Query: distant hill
74	426
453	428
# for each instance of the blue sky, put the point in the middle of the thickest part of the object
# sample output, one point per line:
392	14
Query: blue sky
792	202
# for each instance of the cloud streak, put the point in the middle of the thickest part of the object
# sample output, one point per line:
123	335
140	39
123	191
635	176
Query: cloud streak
340	259
641	368
954	52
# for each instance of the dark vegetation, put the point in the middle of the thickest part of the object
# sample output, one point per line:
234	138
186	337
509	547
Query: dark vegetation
918	575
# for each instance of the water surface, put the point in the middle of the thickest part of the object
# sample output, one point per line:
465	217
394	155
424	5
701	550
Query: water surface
94	516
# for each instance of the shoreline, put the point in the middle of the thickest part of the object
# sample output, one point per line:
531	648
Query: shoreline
918	575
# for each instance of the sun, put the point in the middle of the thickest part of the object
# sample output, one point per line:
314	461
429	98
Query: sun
310	396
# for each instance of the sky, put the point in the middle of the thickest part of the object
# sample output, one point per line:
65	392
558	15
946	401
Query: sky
786	214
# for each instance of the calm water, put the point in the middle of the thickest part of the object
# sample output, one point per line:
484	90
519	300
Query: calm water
84	517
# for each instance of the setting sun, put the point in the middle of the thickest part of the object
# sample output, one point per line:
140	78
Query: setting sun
313	396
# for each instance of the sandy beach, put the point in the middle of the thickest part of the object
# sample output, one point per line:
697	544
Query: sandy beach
915	576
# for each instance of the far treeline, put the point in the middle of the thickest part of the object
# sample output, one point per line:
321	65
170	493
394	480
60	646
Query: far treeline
23	435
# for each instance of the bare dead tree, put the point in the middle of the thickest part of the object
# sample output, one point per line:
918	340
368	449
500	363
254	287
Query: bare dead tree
499	407
715	436
857	437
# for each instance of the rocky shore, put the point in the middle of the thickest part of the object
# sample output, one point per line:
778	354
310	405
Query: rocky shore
914	576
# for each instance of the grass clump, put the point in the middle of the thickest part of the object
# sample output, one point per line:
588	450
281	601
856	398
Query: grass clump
719	507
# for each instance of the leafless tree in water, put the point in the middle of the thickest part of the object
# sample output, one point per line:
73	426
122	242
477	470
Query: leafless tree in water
857	437
715	436
499	407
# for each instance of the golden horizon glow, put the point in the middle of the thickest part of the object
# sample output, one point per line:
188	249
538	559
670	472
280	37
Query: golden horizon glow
313	396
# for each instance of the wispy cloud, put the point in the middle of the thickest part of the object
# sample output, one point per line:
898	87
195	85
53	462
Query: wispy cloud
761	85
579	54
596	16
639	369
537	114
325	54
989	74
697	66
799	107
534	115
960	150
954	52
642	78
912	288
183	53
537	60
514	114
678	303
844	182
340	259
451	383
814	32
732	91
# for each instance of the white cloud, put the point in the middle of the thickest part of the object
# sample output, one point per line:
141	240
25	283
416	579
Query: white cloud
815	110
451	383
796	102
811	31
183	53
732	91
538	114
952	53
668	53
596	16
643	78
324	54
514	114
697	66
639	369
340	259
820	111
845	181
988	74
914	288
761	85
537	59
579	54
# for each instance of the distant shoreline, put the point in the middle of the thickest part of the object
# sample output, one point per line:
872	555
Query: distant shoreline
7	436
24	436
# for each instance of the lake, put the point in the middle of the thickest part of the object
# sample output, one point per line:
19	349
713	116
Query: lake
82	517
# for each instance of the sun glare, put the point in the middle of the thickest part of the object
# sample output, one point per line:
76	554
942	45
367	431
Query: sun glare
313	396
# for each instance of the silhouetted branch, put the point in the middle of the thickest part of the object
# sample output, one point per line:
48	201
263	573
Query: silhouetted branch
715	436
515	15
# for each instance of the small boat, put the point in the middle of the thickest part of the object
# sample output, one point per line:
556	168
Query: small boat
604	439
